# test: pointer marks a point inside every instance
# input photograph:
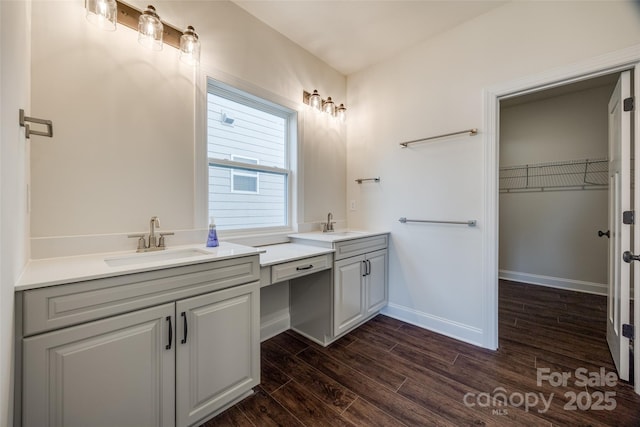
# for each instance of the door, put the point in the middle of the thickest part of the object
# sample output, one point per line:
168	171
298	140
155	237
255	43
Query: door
349	293
217	350
114	372
618	299
376	281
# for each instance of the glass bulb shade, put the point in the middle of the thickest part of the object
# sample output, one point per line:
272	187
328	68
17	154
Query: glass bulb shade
103	13
315	101
150	29
341	112
329	107
190	46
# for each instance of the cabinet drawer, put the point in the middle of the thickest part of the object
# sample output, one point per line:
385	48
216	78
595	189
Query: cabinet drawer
356	247
301	267
56	307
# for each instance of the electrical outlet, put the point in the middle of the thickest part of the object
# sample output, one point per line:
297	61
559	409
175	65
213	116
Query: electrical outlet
353	205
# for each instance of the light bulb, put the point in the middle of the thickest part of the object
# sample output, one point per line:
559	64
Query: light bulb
315	101
150	29
329	107
341	113
103	13
190	46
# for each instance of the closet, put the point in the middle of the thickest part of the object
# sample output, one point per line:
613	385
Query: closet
554	186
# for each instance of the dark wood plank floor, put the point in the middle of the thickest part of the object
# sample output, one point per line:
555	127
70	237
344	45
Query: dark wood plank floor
389	373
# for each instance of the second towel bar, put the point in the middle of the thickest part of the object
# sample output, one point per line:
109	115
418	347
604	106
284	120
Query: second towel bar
471	132
470	223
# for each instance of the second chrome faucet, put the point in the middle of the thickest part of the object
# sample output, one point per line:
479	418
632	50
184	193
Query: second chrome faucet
152	244
327	227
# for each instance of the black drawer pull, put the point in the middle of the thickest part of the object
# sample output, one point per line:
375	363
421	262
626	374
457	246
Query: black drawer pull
168	346
308	267
186	329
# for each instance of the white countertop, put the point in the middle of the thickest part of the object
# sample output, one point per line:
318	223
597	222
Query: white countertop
285	252
55	271
336	236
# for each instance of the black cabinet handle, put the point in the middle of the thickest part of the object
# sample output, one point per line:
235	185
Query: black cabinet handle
363	263
308	267
368	267
168	346
602	233
185	329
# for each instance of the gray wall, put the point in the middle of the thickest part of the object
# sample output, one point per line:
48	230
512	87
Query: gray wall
551	237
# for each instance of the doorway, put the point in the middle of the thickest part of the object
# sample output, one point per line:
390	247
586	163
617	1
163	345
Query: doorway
553	185
553	221
607	64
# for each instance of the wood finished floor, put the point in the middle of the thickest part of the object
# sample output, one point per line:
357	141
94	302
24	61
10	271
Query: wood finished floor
389	373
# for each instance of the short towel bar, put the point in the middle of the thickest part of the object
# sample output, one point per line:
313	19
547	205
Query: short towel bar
360	180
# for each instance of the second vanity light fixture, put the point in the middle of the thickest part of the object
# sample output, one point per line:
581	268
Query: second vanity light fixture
152	32
314	100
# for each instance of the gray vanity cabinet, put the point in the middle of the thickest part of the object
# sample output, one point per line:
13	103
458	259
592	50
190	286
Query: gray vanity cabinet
376	282
112	372
189	348
326	305
360	285
218	351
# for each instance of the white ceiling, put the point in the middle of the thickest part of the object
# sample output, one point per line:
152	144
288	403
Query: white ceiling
350	35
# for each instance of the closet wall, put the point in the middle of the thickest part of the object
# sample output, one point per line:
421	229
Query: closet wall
549	236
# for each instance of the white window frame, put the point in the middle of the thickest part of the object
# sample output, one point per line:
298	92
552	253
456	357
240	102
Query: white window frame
251	95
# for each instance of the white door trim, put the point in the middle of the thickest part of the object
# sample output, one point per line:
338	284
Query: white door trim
605	64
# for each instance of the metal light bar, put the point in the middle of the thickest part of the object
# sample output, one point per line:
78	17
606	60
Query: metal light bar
471	132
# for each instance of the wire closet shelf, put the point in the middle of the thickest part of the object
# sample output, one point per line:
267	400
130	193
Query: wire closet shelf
570	174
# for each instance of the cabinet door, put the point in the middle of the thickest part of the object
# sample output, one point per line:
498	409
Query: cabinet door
348	298
112	372
377	293
218	350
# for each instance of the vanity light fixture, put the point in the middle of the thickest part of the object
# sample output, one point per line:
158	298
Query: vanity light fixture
150	29
102	13
152	32
190	46
328	106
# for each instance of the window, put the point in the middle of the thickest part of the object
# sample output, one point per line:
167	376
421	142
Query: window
248	148
244	181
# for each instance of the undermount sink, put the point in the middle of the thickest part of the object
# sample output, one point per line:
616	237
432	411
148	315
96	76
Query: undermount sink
146	257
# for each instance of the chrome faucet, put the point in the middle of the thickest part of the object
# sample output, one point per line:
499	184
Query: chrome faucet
154	222
152	244
328	226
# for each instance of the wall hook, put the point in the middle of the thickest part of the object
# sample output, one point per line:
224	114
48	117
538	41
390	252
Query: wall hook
27	130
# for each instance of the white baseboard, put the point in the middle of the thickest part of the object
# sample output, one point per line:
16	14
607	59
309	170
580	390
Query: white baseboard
554	282
459	331
274	324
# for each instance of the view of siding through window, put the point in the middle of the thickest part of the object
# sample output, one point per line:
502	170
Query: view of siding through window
240	137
